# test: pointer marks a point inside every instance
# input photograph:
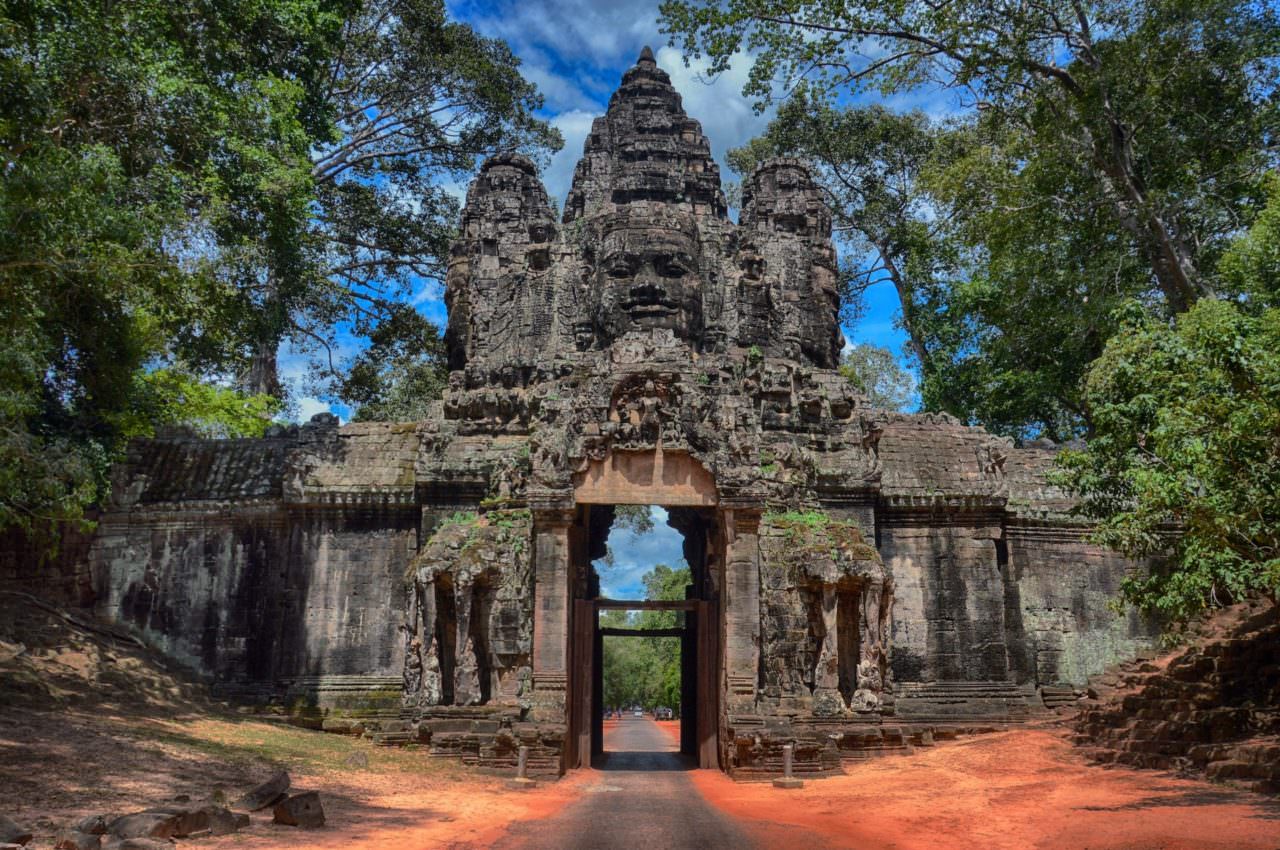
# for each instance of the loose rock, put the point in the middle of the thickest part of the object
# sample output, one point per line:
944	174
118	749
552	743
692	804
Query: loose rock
11	833
224	821
116	843
78	841
94	824
302	810
268	793
143	825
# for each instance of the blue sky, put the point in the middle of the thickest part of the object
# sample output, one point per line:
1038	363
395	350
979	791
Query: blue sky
636	554
576	52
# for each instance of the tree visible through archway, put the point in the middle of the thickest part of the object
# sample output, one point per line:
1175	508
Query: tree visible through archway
642	672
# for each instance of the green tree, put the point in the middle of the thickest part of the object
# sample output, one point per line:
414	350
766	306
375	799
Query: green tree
132	139
402	371
1184	464
1034	298
186	184
636	518
875	371
645	671
1168	103
414	99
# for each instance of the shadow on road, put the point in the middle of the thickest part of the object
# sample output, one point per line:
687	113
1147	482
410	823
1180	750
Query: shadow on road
643	760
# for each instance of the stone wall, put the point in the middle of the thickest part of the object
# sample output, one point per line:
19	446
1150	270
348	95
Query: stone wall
948	620
259	598
274	567
1063	589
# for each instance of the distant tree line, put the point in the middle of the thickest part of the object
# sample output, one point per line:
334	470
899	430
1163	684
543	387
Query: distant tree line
645	671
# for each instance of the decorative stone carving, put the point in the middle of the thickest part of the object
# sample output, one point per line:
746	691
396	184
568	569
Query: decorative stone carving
471	559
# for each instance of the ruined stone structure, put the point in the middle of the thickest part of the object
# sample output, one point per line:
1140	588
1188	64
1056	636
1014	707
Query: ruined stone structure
859	577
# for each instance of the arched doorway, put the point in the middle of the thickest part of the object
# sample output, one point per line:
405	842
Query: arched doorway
679	484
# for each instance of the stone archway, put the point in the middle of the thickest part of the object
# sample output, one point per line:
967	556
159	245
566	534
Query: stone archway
678	482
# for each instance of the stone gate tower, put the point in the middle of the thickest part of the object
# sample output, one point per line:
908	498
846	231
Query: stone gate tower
860	577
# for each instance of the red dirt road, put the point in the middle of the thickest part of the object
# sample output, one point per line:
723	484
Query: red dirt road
641	797
1009	791
1016	790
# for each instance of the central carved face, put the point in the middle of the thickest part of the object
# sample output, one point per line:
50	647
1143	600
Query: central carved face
648	278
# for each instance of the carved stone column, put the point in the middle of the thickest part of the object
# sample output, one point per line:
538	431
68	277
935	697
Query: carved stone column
466	667
424	638
551	587
827	701
741	609
873	666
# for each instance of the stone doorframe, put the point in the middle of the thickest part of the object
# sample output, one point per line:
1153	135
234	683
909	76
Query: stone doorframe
725	624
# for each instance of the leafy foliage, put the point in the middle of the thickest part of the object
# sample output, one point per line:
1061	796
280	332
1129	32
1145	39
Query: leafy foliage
401	372
1184	462
636	518
1111	152
877	373
414	99
1166	103
133	142
645	671
185	186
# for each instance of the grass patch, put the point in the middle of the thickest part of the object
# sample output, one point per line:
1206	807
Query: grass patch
303	750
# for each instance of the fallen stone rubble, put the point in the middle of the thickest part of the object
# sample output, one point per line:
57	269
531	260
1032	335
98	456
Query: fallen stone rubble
159	826
1211	708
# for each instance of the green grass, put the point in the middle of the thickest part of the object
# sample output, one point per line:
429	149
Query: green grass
244	742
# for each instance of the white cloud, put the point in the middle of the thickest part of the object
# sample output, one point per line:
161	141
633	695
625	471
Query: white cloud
574	125
561	93
590	31
308	407
636	554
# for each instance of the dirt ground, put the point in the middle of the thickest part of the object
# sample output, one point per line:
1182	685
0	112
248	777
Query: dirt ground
1021	789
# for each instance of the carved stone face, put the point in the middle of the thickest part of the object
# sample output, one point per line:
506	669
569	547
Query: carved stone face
648	278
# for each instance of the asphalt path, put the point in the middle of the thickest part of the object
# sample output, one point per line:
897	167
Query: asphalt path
640	797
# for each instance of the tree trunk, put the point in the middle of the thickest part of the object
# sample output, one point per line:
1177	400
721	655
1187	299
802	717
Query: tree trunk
914	339
262	376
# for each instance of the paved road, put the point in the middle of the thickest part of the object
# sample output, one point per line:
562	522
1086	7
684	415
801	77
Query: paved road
640	798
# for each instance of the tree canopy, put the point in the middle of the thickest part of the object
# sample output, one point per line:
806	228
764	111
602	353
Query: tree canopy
1084	246
187	186
1100	152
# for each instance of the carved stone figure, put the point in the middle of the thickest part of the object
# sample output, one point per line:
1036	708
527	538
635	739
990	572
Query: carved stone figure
648	277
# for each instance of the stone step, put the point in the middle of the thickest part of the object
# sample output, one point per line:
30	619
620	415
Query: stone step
392	739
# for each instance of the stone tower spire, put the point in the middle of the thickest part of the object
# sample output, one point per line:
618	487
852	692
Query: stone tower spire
645	148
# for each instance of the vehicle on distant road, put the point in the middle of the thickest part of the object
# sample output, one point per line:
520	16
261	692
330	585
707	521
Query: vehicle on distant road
663	713
639	712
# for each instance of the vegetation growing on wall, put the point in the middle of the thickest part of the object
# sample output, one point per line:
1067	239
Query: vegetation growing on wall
815	532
